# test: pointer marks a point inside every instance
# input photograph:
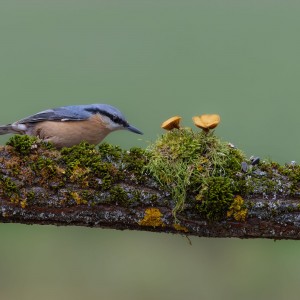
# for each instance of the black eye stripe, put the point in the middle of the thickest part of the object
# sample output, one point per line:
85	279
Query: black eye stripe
113	117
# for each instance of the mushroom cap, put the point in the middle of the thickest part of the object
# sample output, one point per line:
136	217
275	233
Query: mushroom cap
207	121
171	123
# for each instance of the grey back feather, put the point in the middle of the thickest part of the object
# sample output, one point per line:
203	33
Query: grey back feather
70	113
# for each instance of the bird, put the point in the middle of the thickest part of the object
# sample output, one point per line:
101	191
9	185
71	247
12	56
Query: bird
67	126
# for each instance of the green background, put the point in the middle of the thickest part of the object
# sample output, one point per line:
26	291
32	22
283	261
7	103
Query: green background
153	59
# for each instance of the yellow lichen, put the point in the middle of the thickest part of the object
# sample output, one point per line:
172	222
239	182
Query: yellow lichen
15	199
180	228
23	203
152	218
238	210
77	198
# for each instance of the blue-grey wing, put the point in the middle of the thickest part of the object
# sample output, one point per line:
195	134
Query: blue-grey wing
68	113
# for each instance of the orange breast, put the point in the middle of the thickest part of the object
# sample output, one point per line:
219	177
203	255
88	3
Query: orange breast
69	133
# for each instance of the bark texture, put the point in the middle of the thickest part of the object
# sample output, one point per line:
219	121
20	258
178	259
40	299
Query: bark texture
34	190
263	221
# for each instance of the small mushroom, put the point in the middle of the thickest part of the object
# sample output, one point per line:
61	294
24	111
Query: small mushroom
171	123
207	122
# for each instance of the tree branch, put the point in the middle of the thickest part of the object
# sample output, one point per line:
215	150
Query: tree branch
259	224
70	187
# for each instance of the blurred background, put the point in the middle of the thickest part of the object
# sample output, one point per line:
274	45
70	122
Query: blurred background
153	59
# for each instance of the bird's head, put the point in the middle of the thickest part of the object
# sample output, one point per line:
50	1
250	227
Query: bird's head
111	117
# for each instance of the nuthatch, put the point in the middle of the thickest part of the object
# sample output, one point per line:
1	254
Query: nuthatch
69	125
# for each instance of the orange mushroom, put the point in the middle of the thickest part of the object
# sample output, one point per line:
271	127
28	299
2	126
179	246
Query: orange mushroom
171	123
207	122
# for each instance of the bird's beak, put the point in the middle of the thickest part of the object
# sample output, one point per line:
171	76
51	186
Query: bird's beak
133	129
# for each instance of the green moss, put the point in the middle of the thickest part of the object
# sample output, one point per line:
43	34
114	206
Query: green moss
84	163
217	195
84	155
88	196
24	144
183	161
110	152
293	174
135	196
134	162
117	194
30	196
107	166
44	164
8	187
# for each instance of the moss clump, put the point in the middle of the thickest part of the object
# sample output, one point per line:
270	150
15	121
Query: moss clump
110	152
24	144
8	187
30	196
134	162
44	166
117	194
84	163
292	171
215	197
84	155
13	165
183	161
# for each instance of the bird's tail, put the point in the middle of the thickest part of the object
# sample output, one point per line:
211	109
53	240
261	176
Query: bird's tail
5	129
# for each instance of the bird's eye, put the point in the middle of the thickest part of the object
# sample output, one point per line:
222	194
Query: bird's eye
115	119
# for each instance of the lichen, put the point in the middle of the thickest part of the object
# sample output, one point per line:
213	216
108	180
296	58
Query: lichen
152	217
178	227
238	209
23	203
77	198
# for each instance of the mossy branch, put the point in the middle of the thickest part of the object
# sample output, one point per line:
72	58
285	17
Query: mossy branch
195	187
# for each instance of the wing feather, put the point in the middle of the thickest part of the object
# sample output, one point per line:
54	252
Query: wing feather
57	114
